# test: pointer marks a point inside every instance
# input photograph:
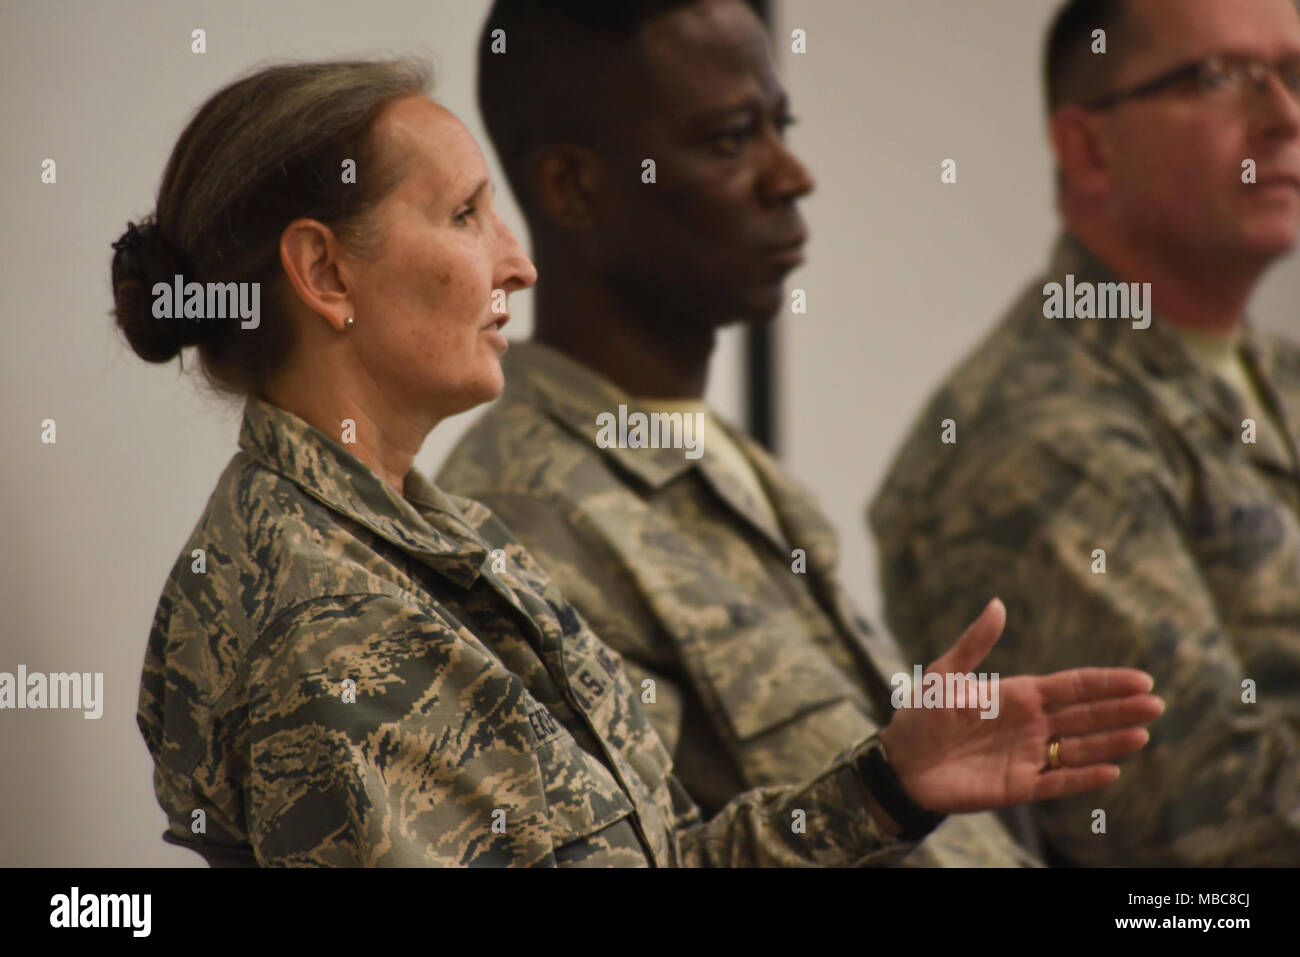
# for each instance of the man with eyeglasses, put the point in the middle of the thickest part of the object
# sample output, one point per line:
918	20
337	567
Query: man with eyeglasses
1132	489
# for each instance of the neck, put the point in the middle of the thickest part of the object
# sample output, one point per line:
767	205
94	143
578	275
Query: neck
1200	292
646	349
384	436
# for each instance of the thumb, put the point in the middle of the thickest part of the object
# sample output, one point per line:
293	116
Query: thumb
975	642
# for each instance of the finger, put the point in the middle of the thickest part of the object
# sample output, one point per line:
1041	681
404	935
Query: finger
1091	684
1105	715
975	642
1067	781
1096	748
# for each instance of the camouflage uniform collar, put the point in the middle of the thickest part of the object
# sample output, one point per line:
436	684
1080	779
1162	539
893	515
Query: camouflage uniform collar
1157	355
573	395
1159	349
544	378
1160	362
426	523
804	525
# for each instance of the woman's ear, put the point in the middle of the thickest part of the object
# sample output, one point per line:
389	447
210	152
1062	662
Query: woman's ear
311	256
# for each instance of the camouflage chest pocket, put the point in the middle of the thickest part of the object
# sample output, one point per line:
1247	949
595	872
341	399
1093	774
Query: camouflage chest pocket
590	815
1248	551
787	703
1237	533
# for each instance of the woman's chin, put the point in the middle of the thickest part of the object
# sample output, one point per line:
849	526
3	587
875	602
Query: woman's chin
496	381
465	395
487	386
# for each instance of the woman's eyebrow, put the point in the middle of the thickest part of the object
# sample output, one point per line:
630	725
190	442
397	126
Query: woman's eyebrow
480	186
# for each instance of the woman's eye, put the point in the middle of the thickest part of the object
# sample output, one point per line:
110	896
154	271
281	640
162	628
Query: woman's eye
462	218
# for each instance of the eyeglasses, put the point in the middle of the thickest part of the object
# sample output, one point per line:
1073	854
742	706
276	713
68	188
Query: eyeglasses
1219	79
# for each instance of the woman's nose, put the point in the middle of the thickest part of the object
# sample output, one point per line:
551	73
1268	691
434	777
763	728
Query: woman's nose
516	267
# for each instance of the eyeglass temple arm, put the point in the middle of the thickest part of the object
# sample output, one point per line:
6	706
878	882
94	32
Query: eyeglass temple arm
1151	86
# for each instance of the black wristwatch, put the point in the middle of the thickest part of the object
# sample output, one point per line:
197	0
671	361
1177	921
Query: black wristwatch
878	777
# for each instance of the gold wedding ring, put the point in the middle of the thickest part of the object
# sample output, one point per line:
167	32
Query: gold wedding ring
1054	753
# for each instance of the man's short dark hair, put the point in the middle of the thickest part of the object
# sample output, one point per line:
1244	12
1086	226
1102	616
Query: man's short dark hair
560	75
1073	73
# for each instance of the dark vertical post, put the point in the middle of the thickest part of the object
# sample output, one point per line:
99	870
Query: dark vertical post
760	347
760	384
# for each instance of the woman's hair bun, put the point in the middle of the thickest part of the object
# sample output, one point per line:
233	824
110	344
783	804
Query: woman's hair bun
141	258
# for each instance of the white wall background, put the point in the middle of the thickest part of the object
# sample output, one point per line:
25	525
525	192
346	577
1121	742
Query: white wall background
903	276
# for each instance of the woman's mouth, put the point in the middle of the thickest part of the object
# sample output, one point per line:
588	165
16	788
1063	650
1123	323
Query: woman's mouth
493	329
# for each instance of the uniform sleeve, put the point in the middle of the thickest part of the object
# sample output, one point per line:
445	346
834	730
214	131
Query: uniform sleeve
383	737
822	823
1075	523
589	573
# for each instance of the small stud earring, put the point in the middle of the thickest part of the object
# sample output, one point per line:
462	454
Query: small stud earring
347	322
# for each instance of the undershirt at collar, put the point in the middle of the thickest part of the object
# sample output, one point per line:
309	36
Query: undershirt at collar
721	448
1220	354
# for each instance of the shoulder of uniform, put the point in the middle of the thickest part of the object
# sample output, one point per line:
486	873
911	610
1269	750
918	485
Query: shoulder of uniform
1008	445
520	450
262	546
1285	352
